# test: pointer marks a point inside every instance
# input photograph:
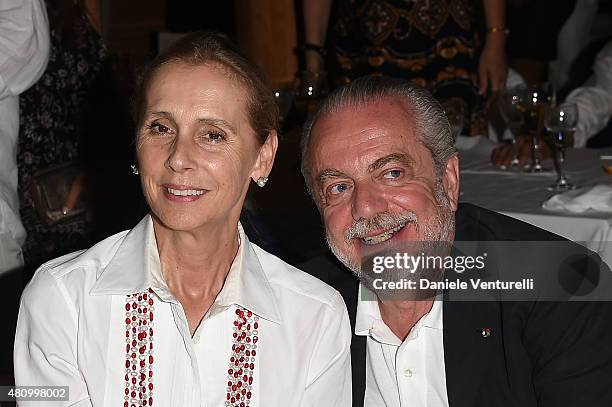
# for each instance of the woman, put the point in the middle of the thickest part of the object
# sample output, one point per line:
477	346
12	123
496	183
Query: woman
57	116
435	43
182	310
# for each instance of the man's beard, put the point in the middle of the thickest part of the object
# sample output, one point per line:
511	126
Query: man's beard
439	229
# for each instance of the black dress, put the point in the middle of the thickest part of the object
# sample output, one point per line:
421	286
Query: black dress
434	43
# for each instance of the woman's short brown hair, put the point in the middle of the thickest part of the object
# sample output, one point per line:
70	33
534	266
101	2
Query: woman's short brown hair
202	48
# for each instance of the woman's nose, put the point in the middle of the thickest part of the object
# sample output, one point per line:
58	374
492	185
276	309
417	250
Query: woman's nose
179	157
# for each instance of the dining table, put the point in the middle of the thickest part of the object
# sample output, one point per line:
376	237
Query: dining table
520	194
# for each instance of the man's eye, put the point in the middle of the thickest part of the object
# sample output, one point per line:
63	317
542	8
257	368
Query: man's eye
393	174
338	189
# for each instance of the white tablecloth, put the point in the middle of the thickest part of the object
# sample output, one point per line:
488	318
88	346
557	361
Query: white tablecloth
520	195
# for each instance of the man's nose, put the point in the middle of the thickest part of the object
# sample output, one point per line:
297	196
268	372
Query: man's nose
367	201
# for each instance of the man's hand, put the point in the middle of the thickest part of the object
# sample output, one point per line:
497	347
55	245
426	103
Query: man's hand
502	155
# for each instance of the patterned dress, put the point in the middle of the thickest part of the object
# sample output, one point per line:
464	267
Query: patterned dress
434	43
52	127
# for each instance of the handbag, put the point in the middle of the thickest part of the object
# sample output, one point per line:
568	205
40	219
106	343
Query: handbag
50	189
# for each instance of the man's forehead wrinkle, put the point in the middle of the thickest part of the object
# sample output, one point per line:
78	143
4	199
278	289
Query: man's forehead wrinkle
375	143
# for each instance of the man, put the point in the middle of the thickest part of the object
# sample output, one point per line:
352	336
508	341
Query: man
379	161
24	49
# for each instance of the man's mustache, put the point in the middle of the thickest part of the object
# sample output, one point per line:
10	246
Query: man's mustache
384	220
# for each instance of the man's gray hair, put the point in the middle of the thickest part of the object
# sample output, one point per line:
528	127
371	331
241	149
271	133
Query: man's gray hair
431	123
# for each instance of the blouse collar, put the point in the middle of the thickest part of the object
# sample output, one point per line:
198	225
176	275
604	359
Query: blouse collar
135	267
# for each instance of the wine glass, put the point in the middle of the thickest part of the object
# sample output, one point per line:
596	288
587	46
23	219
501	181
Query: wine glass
508	103
531	105
561	122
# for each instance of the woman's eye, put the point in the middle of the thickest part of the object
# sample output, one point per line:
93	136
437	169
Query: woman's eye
157	128
214	137
338	189
207	137
393	174
156	134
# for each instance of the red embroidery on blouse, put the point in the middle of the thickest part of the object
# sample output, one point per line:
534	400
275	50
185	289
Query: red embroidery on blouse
139	353
242	359
139	349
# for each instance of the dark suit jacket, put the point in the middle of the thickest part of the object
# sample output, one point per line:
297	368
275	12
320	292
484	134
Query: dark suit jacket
539	353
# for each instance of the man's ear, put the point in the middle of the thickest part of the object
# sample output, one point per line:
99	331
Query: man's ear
265	158
450	181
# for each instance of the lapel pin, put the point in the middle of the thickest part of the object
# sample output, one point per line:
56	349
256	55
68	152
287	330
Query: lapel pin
486	332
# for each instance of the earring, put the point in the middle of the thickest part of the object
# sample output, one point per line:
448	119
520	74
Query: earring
134	169
261	181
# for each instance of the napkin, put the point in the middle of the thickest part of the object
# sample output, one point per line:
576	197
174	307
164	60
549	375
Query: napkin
597	198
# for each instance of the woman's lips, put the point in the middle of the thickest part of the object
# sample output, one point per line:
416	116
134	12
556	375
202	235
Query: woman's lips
181	193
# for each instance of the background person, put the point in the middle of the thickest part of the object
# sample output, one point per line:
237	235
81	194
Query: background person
439	44
594	101
24	48
59	118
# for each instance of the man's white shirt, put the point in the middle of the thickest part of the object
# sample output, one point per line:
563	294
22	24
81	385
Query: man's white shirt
71	329
409	373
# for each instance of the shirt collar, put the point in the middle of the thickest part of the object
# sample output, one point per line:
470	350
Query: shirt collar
135	267
369	322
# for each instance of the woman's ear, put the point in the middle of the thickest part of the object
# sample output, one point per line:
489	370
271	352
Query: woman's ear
265	158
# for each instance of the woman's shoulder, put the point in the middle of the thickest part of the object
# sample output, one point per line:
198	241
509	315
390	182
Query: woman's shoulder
76	269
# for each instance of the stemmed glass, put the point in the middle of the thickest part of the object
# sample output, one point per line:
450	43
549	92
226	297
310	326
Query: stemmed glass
560	122
531	105
508	105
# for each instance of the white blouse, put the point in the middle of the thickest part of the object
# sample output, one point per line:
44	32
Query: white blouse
104	323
